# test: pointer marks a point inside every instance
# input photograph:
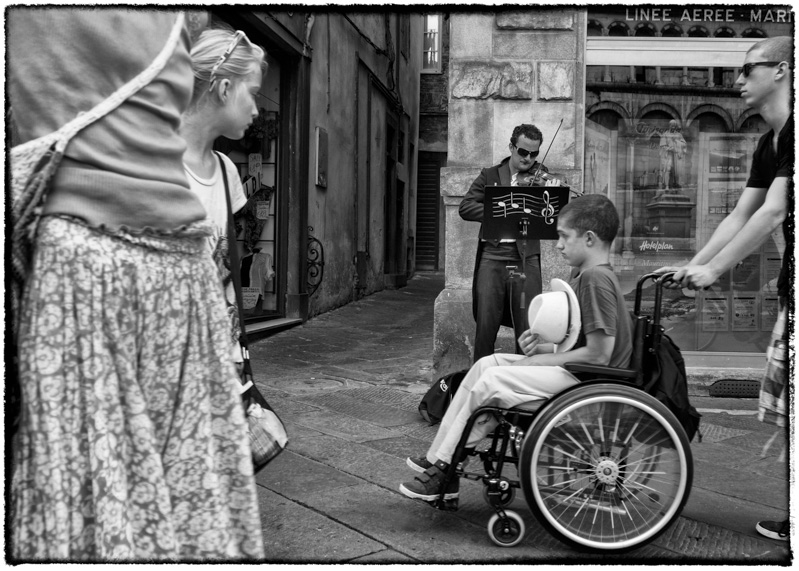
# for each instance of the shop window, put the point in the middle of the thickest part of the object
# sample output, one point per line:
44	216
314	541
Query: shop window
670	141
431	44
259	238
698	32
673	180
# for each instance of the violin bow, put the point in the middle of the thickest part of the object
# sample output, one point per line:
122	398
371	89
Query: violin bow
541	164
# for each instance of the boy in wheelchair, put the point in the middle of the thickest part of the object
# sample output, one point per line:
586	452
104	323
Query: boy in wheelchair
585	320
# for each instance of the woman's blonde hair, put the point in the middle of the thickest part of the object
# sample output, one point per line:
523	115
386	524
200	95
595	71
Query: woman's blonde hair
210	48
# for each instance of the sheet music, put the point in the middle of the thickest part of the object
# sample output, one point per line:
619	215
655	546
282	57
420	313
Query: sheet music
520	202
526	212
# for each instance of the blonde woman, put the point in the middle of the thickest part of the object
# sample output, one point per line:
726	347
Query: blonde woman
228	71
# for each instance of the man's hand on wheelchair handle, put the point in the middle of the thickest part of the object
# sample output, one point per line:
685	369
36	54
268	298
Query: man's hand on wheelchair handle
674	282
696	276
690	276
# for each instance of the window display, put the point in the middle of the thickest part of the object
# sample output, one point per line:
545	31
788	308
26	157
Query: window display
672	189
670	141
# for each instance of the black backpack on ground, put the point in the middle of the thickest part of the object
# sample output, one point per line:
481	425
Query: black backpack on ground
437	398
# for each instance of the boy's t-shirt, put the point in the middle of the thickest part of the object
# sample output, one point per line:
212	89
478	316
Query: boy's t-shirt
602	308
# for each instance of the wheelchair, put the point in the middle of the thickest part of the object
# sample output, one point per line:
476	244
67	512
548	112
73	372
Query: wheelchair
603	465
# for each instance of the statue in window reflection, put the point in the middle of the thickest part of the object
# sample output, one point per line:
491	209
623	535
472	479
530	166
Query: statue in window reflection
672	148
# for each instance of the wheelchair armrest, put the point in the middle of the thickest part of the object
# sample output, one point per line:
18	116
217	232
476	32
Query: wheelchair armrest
600	370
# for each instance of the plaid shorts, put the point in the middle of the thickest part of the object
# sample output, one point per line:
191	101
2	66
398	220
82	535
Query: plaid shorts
773	407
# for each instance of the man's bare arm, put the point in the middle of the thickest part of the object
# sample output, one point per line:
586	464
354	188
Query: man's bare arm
703	271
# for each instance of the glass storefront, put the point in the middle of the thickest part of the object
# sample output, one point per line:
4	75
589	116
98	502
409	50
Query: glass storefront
257	157
670	141
258	237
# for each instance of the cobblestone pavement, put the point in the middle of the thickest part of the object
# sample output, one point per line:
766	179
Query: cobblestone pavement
347	383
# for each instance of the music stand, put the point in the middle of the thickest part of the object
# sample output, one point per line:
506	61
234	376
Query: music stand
523	213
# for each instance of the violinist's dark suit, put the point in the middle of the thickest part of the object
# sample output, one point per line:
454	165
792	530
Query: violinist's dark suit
493	291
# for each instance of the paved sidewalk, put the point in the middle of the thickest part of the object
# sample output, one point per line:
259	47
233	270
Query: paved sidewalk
348	383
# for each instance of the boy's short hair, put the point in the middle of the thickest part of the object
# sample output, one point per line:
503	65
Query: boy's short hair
593	212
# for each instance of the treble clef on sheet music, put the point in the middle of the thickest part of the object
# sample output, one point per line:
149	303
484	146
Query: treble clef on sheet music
548	211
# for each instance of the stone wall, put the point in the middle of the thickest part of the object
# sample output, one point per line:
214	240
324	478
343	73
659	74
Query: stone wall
506	68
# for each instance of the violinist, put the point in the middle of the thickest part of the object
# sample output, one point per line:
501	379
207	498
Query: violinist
496	291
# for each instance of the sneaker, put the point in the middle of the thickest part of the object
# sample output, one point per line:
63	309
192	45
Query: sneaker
418	464
773	529
427	485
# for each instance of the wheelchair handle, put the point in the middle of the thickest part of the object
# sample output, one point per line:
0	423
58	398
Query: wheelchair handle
659	280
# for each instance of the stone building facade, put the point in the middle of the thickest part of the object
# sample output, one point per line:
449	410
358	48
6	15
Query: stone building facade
506	68
335	162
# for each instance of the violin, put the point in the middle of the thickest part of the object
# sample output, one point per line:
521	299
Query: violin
539	177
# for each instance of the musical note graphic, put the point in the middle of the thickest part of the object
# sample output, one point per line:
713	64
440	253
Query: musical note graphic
539	203
547	212
527	212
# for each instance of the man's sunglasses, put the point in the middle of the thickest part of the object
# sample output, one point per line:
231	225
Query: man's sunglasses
524	153
748	67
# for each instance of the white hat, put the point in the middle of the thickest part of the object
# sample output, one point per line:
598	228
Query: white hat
555	316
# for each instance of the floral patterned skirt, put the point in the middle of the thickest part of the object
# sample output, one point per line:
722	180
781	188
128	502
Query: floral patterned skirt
132	442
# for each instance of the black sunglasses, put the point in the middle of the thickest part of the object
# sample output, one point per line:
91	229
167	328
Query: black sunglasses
747	68
524	153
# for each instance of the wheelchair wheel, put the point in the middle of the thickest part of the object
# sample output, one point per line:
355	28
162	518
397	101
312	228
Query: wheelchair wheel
606	467
507	532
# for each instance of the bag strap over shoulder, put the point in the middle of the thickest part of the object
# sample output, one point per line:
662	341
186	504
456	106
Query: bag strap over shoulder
233	252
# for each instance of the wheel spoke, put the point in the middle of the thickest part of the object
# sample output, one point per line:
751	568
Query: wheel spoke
580	446
639	502
587	434
577	459
642	487
616	429
601	430
565	500
632	431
